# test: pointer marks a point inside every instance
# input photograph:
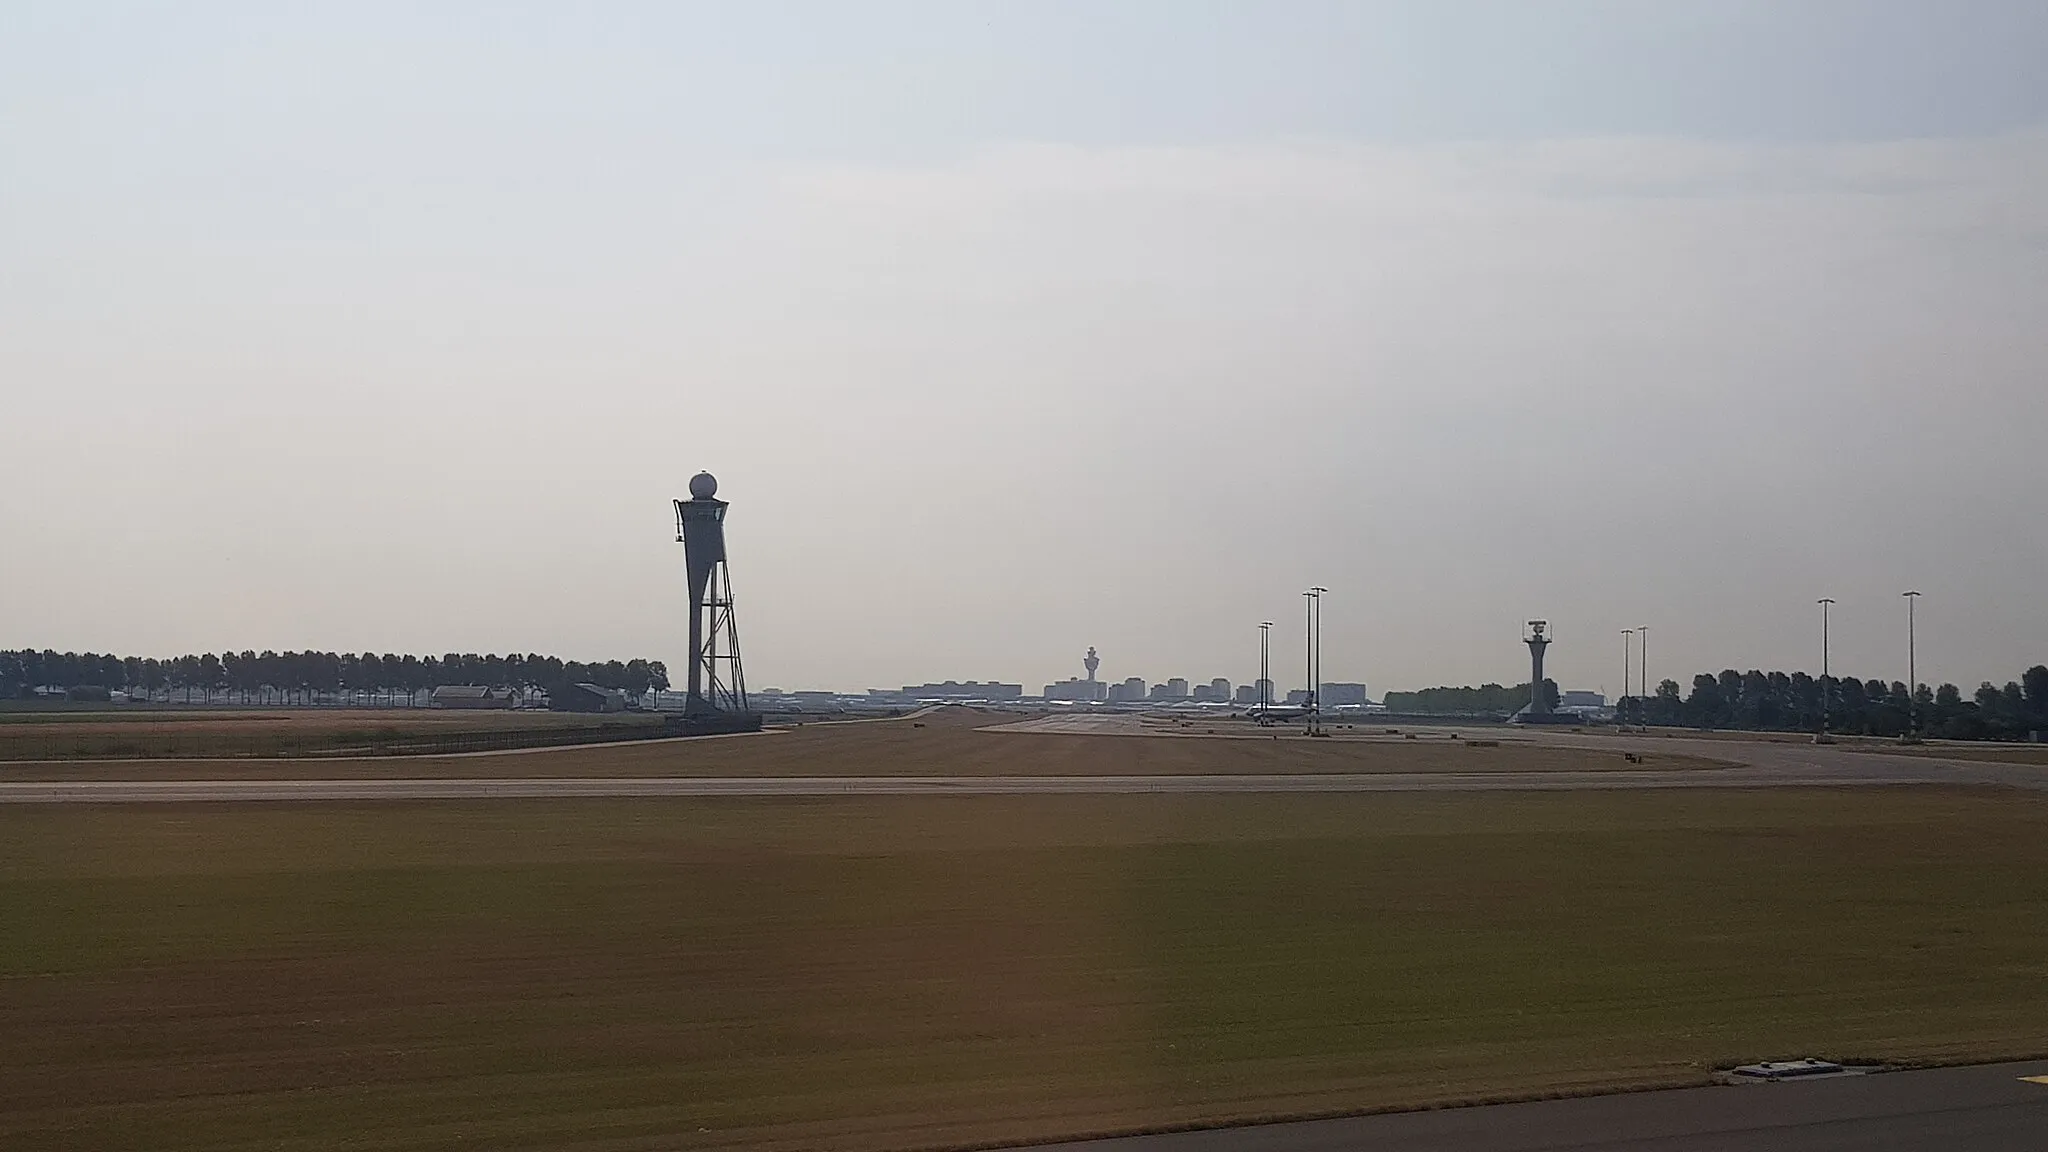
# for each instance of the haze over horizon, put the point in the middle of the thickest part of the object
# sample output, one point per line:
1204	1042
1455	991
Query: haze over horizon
1011	329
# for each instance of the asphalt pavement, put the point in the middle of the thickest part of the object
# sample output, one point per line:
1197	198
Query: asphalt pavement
1986	1108
1760	764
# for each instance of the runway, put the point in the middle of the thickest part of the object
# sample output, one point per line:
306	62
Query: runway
1762	764
1750	776
1987	1108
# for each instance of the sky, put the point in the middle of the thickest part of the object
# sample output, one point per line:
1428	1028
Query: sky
1011	329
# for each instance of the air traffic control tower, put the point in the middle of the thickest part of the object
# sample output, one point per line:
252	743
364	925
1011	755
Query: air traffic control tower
716	700
1537	710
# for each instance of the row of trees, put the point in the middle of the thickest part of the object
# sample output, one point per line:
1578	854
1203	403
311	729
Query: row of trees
1778	702
311	677
1484	700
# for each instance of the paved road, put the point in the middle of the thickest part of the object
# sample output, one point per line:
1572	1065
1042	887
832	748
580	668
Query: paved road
187	791
1765	765
1981	1109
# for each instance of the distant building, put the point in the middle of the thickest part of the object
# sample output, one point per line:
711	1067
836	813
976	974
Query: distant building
1247	694
1332	696
968	690
1581	698
470	696
1131	691
1173	691
1341	695
584	698
1088	690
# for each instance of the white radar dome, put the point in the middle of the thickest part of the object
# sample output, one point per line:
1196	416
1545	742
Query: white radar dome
703	486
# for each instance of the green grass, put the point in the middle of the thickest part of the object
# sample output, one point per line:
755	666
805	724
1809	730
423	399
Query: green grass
884	973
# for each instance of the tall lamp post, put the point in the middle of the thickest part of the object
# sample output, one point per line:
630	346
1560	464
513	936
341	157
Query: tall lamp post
1308	702
1912	674
1265	669
1626	644
1315	655
1823	737
1643	672
1317	684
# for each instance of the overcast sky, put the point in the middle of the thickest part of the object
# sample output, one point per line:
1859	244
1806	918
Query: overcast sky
1014	328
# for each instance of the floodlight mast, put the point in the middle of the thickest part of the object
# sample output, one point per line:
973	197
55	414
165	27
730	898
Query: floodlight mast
1627	642
1314	702
1643	672
1823	738
1265	685
716	682
1912	673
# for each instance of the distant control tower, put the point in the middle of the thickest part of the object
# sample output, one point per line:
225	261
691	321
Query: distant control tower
1091	662
1537	711
717	695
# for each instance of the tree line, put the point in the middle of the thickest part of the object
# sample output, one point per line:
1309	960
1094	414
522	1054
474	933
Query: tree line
1788	702
1487	699
1778	702
309	677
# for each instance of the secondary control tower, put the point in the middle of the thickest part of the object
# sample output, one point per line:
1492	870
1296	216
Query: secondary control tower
1538	710
716	696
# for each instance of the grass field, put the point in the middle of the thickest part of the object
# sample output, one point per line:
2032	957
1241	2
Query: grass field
1989	751
856	974
944	743
163	732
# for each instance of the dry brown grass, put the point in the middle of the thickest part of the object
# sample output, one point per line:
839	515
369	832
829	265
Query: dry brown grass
864	974
270	732
946	742
1986	752
308	720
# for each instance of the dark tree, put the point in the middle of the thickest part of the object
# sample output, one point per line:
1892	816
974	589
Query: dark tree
2034	686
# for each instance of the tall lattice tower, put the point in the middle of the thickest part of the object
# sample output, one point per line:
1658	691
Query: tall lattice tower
717	683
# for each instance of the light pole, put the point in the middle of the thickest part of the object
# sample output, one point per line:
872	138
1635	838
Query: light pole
1265	669
1308	702
1317	683
1823	737
1912	674
1626	644
1315	655
1643	672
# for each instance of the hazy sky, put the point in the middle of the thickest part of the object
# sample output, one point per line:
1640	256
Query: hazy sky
1015	328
